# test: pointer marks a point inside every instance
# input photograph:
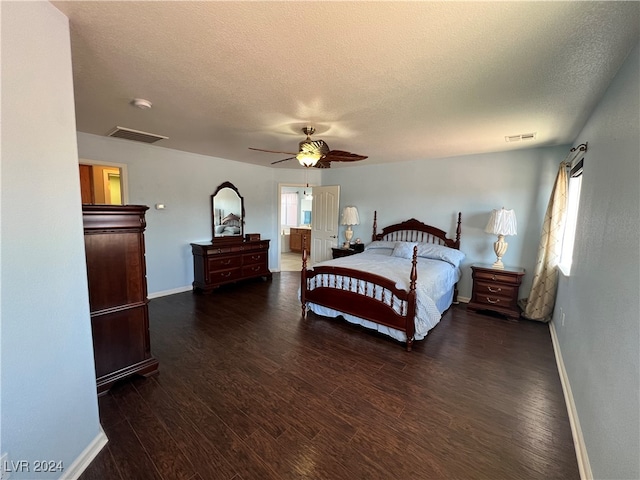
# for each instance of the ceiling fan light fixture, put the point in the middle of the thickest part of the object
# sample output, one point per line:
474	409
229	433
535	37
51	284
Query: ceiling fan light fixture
308	159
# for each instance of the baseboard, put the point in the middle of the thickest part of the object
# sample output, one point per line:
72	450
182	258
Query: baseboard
576	431
81	463
173	291
463	299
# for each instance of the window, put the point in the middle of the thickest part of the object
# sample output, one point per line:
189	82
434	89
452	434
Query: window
289	209
575	184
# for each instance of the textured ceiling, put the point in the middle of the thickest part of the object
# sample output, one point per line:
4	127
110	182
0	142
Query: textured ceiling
392	80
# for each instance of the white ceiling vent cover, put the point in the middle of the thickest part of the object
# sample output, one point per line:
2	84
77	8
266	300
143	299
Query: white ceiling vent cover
522	136
135	135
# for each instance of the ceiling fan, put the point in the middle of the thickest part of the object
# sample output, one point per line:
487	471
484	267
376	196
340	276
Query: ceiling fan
315	153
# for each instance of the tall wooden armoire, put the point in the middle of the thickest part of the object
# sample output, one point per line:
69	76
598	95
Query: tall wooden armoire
114	247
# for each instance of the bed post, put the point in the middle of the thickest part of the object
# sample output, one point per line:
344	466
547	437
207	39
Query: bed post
303	283
375	225
410	327
458	231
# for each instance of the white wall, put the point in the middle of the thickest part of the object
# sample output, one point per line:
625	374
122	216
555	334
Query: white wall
600	337
49	404
434	191
184	182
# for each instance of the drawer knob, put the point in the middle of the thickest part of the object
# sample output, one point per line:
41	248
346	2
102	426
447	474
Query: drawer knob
493	277
226	274
494	290
497	300
226	262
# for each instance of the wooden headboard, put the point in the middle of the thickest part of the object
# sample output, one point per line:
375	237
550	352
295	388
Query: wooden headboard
413	230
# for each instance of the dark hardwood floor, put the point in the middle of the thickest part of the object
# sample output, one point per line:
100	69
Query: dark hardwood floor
248	390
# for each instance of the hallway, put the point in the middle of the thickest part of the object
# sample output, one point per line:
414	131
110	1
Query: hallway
290	262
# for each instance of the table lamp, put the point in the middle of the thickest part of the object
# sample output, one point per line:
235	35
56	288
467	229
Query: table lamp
501	222
349	217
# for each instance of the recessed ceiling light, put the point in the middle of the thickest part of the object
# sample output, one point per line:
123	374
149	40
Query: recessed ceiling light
141	103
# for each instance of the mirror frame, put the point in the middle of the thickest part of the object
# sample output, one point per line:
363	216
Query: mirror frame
227	238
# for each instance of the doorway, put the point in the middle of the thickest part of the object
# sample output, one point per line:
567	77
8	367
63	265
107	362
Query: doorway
103	183
295	214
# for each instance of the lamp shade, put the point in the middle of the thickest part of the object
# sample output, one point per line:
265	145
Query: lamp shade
502	222
350	216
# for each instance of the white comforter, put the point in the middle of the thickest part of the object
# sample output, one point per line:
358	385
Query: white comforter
434	288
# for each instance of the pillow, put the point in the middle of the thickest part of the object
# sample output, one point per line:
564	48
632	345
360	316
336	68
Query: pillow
219	228
403	249
440	252
378	244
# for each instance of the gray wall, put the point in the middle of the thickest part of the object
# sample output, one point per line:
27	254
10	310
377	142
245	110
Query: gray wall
600	338
48	399
184	182
434	191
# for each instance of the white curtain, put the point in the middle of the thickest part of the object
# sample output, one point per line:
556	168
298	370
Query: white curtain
539	305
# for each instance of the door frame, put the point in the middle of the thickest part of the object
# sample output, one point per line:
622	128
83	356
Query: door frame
124	174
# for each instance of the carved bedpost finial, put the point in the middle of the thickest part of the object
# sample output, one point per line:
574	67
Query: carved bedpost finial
458	230
375	225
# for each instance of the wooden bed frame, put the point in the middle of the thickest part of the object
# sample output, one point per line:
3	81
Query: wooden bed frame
333	290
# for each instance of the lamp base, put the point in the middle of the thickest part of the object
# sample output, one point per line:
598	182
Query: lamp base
500	248
348	234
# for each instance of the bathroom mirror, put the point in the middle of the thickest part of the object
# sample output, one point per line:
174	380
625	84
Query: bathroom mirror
227	214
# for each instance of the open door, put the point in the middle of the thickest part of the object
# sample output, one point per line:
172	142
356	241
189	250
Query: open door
324	232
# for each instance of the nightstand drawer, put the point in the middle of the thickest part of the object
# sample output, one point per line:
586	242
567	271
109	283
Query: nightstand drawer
495	301
496	276
495	289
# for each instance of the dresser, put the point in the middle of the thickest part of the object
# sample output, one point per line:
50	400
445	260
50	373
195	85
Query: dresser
297	237
116	274
215	265
496	290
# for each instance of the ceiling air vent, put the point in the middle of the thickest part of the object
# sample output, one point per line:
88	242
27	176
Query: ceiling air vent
522	136
135	135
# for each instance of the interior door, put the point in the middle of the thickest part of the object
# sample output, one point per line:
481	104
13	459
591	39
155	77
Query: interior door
324	235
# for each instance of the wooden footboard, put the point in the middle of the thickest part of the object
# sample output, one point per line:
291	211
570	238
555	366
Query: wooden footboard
362	294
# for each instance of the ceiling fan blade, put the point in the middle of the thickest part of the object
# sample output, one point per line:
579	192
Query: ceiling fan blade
283	160
323	163
271	151
342	156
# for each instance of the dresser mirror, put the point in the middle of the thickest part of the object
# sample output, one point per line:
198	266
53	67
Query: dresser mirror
227	214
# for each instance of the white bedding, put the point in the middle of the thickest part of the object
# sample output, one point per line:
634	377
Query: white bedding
434	288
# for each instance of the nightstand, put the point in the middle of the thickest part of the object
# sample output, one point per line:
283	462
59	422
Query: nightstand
496	289
343	252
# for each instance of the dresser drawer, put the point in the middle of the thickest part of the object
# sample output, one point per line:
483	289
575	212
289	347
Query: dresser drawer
254	257
222	263
254	270
496	276
221	276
